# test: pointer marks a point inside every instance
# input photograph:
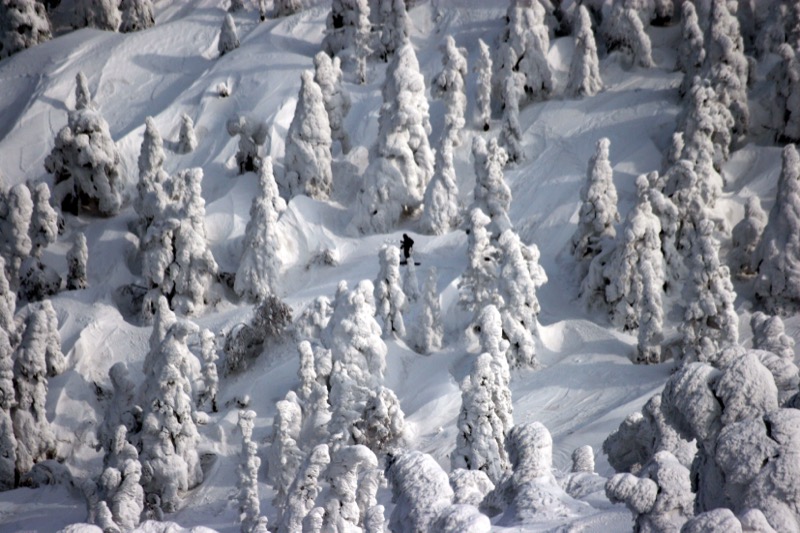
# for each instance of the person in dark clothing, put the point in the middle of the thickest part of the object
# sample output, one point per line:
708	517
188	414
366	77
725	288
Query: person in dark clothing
406	245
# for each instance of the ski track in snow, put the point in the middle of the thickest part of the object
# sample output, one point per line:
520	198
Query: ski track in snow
587	384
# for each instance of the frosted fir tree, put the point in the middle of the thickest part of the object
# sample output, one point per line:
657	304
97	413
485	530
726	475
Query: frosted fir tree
169	437
533	65
313	319
395	27
137	15
348	463
151	155
228	38
23	23
483	86
85	163
153	187
284	455
43	228
492	195
8	305
769	334
584	70
775	259
328	75
520	275
478	284
441	210
308	144
47	330
691	52
249	504
16	211
187	139
77	258
121	410
100	14
598	213
252	135
492	340
449	86
410	280
389	296
208	350
480	443
286	8
420	490
625	30
511	134
429	331
785	108
470	486
745	237
35	439
304	489
8	442
381	426
259	266
708	125
651	317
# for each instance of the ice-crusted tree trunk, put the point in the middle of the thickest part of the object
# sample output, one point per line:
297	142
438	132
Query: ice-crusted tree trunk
304	490
259	266
187	139
389	296
483	86
420	490
8	441
43	228
249	504
328	75
745	237
691	52
478	284
16	211
429	330
77	258
137	15
23	23
228	38
441	211
308	144
778	254
651	316
491	194
86	166
584	70
598	213
284	455
449	86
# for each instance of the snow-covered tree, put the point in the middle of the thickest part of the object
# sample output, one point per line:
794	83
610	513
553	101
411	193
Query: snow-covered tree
187	139
381	426
420	490
137	15
389	296
259	266
249	504
584	70
208	350
8	305
651	316
394	25
314	318
100	14
121	411
745	237
511	134
342	506
85	163
785	97
16	211
429	330
285	8
328	75
492	194
691	52
151	155
308	144
449	86
483	87
492	340
778	254
284	456
441	211
8	442
43	228
470	486
23	23
623	29
228	39
35	439
410	280
252	134
598	213
769	334
304	490
77	257
170	462
478	284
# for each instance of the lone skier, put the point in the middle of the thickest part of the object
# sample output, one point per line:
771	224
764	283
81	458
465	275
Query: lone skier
406	245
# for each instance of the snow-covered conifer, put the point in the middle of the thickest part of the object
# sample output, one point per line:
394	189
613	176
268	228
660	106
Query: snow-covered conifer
584	70
210	374
314	318
308	144
395	27
228	39
745	237
249	504
284	455
651	316
470	486
328	75
48	331
623	28
381	427
285	8
598	213
769	334
785	101
83	97
16	211
43	228
187	139
511	134
100	14
8	305
429	331
8	442
251	135
449	85
137	15
778	253
389	296
480	443
342	475
85	163
347	33
151	154
583	459
478	284
492	195
420	490
259	266
23	23
127	502
35	439
119	409
441	205
304	490
533	64
77	257
483	95
691	52
410	280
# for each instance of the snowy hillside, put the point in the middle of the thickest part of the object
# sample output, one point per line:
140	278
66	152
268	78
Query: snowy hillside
586	383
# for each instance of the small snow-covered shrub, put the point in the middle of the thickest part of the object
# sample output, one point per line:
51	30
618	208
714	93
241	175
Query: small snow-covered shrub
245	342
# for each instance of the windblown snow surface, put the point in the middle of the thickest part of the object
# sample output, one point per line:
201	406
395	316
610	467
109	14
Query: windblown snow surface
587	384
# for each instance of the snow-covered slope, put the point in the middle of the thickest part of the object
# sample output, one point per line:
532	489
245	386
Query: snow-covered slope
587	384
